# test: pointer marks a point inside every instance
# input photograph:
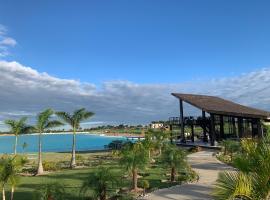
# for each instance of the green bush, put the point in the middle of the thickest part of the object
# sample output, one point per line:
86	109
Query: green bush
51	166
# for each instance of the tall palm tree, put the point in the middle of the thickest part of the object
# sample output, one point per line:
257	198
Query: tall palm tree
134	157
100	182
175	158
17	128
44	123
74	121
251	180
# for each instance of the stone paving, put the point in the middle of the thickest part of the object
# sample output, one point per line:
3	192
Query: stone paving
207	167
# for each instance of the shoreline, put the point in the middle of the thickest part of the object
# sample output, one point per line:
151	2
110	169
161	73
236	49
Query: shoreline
104	134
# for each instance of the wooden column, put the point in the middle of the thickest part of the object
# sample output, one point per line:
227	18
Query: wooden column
192	130
221	127
171	133
240	127
182	122
204	127
212	130
234	127
254	128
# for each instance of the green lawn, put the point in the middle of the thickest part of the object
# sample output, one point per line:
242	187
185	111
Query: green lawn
72	179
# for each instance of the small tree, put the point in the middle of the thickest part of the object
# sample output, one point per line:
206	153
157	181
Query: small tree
134	157
174	158
9	168
100	182
52	191
17	128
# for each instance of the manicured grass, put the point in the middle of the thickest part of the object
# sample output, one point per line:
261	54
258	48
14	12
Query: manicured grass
73	179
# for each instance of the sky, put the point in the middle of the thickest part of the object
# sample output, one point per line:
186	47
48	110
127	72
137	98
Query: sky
122	59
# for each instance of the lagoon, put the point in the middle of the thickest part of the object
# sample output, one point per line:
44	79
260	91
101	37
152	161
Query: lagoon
56	142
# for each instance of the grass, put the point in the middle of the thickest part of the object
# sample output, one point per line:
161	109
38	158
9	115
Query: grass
73	179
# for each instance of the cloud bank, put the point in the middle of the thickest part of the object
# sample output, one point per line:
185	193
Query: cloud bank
25	91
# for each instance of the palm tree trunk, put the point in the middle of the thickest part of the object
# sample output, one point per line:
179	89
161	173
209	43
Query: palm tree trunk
16	144
40	166
73	154
3	193
172	174
103	194
135	179
12	192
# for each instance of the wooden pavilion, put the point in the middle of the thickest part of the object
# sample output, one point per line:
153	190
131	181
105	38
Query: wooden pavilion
225	119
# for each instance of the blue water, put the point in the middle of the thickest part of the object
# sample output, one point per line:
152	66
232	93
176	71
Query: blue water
56	142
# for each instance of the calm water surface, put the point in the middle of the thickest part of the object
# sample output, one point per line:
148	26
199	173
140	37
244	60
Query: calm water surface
56	142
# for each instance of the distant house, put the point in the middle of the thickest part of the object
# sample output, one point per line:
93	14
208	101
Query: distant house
157	125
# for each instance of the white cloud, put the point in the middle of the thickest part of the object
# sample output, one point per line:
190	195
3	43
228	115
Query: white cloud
5	41
25	91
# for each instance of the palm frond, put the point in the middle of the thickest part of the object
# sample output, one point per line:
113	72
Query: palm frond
65	116
232	185
53	124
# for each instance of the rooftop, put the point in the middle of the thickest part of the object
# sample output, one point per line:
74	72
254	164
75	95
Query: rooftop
217	105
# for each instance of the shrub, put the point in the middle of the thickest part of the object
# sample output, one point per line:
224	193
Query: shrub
51	166
144	184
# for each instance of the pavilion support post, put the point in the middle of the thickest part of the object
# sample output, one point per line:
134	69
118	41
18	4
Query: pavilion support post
182	121
212	130
234	127
240	127
221	127
192	131
254	128
204	127
171	133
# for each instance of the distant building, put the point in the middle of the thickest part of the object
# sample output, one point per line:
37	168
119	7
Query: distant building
157	125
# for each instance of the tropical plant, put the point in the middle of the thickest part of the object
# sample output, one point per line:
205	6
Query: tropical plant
43	124
74	121
9	168
100	182
17	128
134	157
52	191
158	139
230	147
174	158
251	181
145	185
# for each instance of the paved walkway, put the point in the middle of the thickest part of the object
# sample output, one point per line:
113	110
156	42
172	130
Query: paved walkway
207	167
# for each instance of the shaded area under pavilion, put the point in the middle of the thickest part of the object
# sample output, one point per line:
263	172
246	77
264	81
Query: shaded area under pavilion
225	119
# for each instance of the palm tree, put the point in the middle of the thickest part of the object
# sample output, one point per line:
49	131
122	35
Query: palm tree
134	157
17	128
9	168
74	121
251	180
51	191
44	123
175	158
100	182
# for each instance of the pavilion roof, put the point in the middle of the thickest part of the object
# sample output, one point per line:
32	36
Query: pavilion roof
217	105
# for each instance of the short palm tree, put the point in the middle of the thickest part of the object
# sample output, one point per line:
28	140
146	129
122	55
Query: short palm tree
51	191
174	158
100	182
9	168
43	124
74	121
17	128
251	180
134	157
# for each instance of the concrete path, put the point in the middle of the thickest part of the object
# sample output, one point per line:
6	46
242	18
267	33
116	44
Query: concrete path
207	167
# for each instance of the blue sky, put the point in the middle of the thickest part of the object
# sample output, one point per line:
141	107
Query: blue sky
122	59
141	41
